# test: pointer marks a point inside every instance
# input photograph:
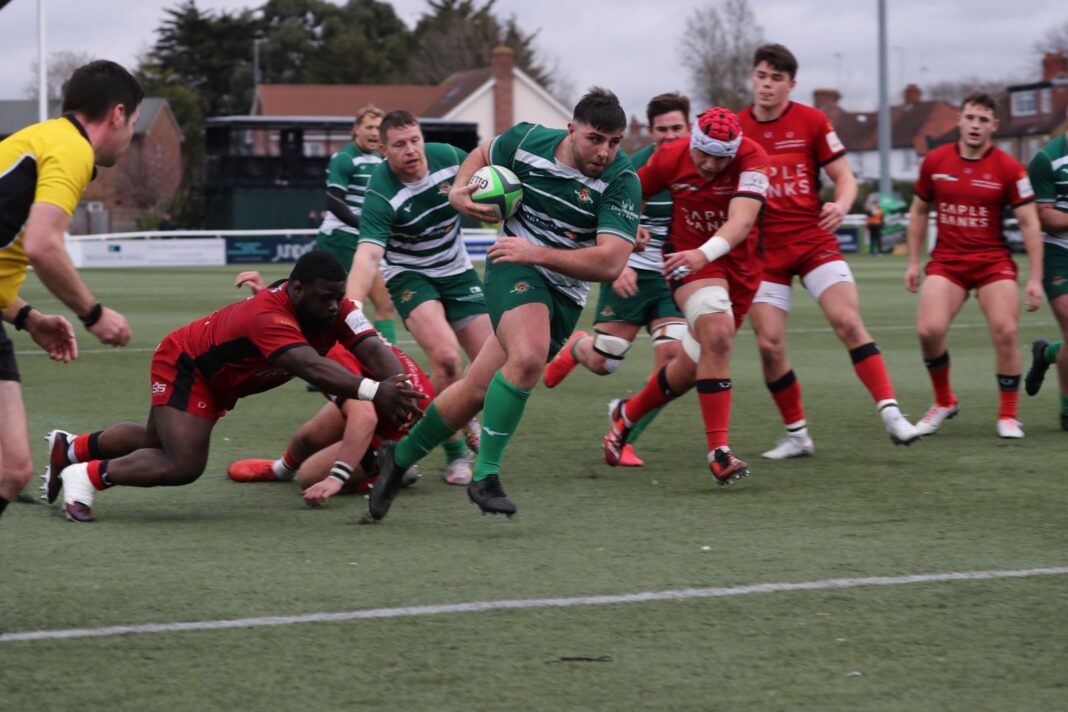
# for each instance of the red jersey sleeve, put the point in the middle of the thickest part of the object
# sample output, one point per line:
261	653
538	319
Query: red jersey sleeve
828	146
274	331
1018	189
658	171
753	169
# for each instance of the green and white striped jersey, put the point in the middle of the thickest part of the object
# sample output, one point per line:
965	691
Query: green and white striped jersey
656	218
1049	178
349	169
562	208
414	221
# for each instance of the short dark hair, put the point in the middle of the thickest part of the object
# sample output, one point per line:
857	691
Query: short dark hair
317	265
777	57
981	98
96	88
396	119
666	103
600	109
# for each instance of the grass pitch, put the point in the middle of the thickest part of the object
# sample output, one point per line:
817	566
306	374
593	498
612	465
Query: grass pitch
215	550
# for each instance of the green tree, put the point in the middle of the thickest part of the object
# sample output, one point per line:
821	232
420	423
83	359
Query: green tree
203	50
458	35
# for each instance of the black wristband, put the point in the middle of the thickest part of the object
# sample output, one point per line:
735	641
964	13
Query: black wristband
20	319
92	316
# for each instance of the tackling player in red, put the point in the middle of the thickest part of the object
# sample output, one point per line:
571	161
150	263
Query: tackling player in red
799	241
334	452
201	370
718	180
969	183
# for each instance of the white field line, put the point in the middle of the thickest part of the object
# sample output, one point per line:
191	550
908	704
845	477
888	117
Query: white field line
526	603
746	331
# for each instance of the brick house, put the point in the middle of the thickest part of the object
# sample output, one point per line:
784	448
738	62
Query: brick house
147	176
493	97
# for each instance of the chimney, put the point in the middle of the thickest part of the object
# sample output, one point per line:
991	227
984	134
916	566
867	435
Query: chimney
1054	64
913	94
502	62
824	99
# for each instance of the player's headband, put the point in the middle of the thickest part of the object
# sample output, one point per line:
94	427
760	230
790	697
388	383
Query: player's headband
717	133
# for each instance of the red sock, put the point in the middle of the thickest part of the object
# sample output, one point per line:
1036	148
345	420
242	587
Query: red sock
98	474
938	370
86	447
1010	391
290	461
655	394
714	395
871	369
787	394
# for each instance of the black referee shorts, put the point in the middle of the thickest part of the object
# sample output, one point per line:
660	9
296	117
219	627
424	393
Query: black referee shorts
9	369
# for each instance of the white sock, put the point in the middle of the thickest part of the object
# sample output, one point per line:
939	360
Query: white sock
282	473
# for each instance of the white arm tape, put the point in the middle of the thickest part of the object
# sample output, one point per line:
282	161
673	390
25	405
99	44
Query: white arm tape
357	302
367	389
715	248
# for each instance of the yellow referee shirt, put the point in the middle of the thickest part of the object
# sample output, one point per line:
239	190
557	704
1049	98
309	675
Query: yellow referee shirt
50	162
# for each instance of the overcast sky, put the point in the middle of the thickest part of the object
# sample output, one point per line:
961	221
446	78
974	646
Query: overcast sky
629	46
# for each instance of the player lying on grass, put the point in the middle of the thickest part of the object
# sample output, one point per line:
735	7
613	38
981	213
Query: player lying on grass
201	370
334	452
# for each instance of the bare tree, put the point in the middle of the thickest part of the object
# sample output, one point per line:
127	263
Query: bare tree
953	91
1055	40
61	65
717	48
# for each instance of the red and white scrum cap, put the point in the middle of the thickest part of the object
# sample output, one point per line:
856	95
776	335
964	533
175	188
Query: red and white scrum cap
717	132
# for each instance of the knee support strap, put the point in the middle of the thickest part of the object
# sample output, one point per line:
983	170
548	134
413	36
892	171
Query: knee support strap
613	348
668	332
707	300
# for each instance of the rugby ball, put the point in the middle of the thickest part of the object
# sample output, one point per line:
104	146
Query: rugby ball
499	188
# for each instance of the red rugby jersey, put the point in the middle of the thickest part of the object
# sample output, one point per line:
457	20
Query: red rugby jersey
233	348
699	206
969	196
799	143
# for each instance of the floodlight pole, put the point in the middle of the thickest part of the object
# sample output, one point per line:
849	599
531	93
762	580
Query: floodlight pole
42	64
884	108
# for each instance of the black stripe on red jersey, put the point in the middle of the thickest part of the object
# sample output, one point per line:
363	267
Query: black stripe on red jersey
747	194
183	382
922	197
282	349
833	158
218	357
1023	202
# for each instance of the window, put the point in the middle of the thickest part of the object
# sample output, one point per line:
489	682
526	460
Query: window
1044	101
1023	103
1031	148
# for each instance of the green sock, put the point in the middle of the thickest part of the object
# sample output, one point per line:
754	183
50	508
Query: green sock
454	450
642	424
427	434
500	418
1051	351
1064	405
387	328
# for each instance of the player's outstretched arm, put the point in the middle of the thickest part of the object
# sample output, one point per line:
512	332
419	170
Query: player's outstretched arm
917	234
43	242
392	396
1027	217
379	358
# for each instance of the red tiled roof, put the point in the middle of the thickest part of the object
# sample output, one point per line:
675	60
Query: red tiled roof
344	99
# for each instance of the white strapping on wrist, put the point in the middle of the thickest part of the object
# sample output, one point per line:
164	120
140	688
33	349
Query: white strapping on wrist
715	248
367	389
